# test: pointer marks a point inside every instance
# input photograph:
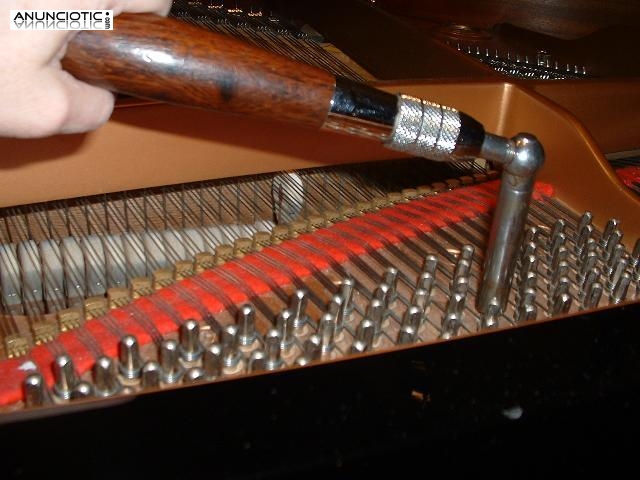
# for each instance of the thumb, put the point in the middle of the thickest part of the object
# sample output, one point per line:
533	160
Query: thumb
86	107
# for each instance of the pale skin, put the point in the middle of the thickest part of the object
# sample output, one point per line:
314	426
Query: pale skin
37	97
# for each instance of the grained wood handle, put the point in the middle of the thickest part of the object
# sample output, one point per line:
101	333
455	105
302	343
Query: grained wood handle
169	60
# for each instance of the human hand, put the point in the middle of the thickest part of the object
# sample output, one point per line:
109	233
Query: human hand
37	97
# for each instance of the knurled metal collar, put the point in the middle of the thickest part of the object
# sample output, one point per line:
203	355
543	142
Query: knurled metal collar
424	129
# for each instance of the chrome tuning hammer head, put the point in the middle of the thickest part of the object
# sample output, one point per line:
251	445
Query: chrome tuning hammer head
521	158
433	131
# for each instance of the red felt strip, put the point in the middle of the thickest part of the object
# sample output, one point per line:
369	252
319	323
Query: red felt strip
214	289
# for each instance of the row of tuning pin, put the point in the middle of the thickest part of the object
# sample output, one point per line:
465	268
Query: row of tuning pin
579	266
542	59
240	348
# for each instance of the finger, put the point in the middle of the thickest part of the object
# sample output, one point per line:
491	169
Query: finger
161	7
88	107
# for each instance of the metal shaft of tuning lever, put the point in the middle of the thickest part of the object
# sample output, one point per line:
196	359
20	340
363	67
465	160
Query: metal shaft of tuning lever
36	393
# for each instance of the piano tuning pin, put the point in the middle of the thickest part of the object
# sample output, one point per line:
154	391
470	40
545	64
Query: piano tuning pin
298	305
614	257
584	234
587	265
272	349
212	361
194	375
246	321
150	374
407	335
390	278
130	361
561	304
609	228
527	266
229	342
615	275
489	319
105	377
531	235
425	282
285	326
365	335
383	293
635	255
35	391
413	316
422	299
466	253
562	270
621	288
557	228
311	350
82	390
526	312
592	296
65	377
327	332
257	361
172	370
585	219
334	308
190	347
347	291
430	264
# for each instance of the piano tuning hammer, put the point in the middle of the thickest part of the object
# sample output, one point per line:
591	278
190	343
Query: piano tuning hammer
155	57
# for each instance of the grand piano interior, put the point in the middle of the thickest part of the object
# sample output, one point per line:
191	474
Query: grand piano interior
270	271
